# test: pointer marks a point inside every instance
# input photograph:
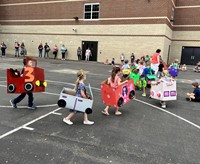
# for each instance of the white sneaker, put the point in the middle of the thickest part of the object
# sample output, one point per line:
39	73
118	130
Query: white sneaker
88	122
67	121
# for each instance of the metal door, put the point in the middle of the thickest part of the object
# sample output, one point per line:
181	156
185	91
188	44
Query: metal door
93	45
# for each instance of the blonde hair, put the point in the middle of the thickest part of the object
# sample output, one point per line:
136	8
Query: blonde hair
166	73
80	76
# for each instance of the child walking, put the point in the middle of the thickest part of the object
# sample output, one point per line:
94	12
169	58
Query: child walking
22	95
114	81
80	92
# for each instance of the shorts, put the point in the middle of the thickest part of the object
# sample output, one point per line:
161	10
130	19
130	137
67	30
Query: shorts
154	67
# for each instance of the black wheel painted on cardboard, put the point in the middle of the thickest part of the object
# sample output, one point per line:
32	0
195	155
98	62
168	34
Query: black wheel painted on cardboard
11	88
120	102
28	87
62	103
88	111
132	94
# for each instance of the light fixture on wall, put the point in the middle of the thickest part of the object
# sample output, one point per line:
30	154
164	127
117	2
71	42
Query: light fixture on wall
76	18
74	29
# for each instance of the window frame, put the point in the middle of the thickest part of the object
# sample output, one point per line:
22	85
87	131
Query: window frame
91	12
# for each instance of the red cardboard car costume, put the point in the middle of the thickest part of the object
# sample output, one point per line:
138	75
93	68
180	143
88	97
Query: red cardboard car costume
32	79
116	97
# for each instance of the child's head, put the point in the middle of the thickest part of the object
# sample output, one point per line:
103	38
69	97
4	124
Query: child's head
126	61
195	85
113	59
161	62
115	71
80	76
166	73
30	63
141	62
176	61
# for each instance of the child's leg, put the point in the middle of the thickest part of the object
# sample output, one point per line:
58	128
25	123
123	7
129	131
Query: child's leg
70	115
117	112
67	119
86	121
163	104
144	91
105	111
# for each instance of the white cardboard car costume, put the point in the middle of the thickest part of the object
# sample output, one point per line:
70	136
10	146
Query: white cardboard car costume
68	99
164	91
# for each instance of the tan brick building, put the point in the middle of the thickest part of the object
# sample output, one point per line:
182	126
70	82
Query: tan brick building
108	27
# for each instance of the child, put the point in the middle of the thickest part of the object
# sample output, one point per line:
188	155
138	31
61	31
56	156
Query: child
147	71
80	92
174	68
195	96
160	69
141	67
114	81
113	61
175	64
122	58
125	69
197	68
184	67
169	80
22	96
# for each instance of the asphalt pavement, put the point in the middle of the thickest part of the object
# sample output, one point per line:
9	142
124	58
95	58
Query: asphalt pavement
143	134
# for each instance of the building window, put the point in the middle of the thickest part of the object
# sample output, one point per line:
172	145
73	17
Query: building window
91	11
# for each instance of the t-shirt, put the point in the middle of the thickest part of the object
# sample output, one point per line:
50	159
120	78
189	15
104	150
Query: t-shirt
115	83
125	66
155	58
147	71
160	67
175	65
81	86
197	93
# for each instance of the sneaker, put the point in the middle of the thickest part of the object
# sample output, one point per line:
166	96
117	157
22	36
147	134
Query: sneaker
144	94
188	99
88	122
12	104
32	107
150	96
163	104
67	121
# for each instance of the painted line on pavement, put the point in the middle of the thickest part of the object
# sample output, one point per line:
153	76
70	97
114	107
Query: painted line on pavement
179	117
39	106
25	125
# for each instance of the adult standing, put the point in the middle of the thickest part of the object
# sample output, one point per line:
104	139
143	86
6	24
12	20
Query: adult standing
17	45
40	49
3	49
155	61
23	49
63	51
46	50
79	53
132	58
55	51
88	54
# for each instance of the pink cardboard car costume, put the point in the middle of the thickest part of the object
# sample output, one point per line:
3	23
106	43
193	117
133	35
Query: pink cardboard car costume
118	96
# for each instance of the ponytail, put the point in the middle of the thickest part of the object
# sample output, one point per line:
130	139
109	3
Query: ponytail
114	72
80	76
